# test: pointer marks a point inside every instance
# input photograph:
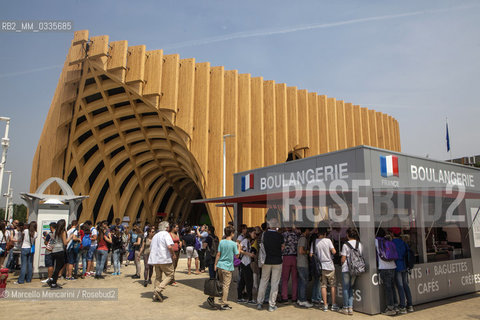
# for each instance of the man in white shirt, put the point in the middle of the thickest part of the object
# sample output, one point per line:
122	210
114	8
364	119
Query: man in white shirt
161	257
324	250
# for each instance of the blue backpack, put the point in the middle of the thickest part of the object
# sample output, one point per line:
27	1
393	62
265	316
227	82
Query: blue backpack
409	258
86	241
387	249
198	243
74	245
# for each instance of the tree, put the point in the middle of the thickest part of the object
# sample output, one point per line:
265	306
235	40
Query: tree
19	212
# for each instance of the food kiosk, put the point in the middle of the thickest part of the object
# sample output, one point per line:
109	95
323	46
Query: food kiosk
47	208
434	203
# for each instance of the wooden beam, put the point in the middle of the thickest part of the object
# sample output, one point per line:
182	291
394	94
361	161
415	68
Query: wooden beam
332	129
257	126
292	118
323	123
281	122
269	120
349	126
341	127
313	125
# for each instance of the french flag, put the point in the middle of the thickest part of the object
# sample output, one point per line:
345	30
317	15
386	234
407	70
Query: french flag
389	166
247	182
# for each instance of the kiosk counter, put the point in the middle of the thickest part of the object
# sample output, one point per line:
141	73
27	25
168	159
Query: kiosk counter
435	204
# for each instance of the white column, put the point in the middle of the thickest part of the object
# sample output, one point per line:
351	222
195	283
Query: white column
5	144
8	196
224	179
225	175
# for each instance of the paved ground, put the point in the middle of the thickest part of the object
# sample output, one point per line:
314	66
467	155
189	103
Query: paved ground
187	301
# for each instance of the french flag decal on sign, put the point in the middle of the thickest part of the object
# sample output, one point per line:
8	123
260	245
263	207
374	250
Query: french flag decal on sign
389	166
247	182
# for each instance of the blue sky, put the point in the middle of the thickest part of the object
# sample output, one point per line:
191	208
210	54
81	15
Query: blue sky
415	60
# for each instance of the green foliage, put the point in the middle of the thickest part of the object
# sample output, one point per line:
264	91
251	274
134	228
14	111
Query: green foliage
19	212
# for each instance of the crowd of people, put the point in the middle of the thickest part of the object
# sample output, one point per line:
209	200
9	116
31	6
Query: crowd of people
264	259
268	257
79	250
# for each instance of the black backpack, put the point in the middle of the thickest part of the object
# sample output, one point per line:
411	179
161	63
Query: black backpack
315	264
211	251
355	261
116	242
409	258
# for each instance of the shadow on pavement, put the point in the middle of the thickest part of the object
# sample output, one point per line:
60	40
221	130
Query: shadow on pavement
149	295
198	283
443	302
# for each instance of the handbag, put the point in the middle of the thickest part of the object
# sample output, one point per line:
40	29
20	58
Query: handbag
32	245
50	244
10	243
131	255
236	261
175	244
213	287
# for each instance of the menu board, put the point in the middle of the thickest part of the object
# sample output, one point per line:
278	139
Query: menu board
475	214
45	230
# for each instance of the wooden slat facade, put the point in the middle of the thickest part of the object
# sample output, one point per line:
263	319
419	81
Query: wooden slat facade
142	132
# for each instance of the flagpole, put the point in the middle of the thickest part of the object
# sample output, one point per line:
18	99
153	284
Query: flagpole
449	149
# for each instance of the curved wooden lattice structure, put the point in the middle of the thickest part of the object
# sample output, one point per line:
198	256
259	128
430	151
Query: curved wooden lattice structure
141	132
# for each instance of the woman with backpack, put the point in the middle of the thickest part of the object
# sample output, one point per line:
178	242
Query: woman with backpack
85	243
177	246
401	276
189	242
117	248
102	250
352	246
386	256
145	251
58	243
28	249
246	272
